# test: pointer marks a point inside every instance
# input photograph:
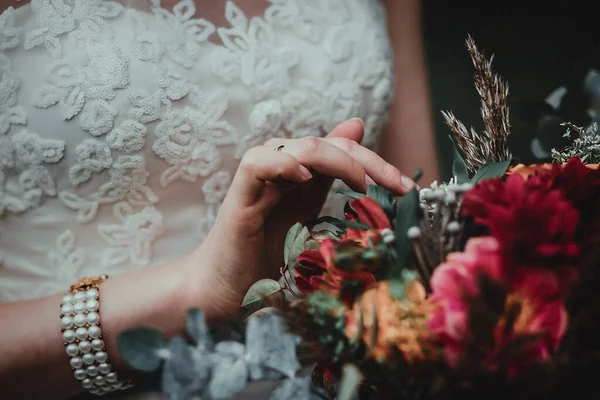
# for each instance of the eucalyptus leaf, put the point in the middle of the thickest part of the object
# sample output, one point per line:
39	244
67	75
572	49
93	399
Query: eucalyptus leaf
290	238
183	377
298	246
407	216
271	350
140	347
490	170
261	312
352	194
255	297
292	389
197	328
459	167
231	348
384	198
349	383
229	376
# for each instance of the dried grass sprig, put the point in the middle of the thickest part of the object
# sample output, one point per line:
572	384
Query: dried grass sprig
493	92
585	145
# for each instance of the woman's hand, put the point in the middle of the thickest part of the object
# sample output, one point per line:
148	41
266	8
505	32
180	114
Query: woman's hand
278	184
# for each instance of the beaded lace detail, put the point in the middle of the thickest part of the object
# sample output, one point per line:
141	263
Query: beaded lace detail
121	129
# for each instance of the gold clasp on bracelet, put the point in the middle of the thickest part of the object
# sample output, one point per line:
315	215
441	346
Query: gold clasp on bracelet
88	282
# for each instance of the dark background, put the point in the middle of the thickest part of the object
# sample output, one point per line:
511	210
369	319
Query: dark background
538	47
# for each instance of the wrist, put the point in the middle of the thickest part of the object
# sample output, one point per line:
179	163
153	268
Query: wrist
206	287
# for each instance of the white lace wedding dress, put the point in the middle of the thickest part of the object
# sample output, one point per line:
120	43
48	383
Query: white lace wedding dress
121	127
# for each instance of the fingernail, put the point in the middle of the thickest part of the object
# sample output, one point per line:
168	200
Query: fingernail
305	172
407	182
369	180
360	120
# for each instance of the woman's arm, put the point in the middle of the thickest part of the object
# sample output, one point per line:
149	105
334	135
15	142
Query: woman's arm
33	362
409	139
269	193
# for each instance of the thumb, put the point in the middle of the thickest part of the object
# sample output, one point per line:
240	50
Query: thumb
352	129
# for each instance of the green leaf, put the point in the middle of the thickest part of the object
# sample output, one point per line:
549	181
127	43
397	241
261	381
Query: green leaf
270	348
184	374
298	246
490	170
197	328
459	167
140	347
229	376
384	198
255	296
351	377
290	239
352	194
406	217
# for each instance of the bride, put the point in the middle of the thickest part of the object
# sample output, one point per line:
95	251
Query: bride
170	146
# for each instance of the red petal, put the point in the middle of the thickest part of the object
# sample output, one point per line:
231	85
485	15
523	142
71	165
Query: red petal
370	212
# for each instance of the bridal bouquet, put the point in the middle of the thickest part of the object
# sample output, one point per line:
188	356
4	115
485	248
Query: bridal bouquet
487	286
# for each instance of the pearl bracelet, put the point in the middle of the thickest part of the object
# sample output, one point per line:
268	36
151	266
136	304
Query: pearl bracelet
80	321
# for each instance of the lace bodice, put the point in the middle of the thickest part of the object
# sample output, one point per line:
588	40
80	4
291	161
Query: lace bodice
121	128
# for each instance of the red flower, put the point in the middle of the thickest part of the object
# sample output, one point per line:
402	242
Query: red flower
533	221
317	269
533	293
580	184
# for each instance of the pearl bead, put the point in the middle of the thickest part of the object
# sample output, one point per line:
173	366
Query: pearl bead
93	318
92	305
69	336
98	344
66	322
79	296
80	374
76	362
104	368
79	319
79	306
117	385
92	294
72	349
67	309
88	358
101	357
94	331
92	370
67	298
99	380
85	346
81	333
87	383
111	377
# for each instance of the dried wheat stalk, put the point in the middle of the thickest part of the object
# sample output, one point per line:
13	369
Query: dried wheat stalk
493	144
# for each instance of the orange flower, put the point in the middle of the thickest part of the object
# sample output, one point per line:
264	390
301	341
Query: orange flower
401	325
533	169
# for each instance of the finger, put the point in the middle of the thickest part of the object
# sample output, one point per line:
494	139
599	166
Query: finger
326	159
352	129
380	171
261	164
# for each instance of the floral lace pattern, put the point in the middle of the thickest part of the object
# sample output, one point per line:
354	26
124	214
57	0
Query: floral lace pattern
129	108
